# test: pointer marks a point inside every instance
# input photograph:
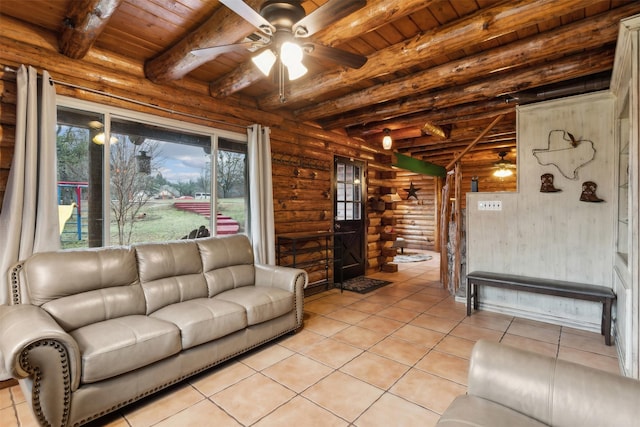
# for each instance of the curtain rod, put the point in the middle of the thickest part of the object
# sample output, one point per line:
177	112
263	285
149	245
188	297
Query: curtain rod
133	101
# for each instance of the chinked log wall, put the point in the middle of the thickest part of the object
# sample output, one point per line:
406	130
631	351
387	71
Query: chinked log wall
302	188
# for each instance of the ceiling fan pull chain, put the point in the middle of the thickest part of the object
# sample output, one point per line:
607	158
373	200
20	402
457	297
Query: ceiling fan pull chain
283	98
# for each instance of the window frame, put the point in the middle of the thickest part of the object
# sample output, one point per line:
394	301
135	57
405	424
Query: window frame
110	112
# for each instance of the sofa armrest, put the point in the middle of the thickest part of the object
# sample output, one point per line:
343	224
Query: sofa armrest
554	392
287	278
29	337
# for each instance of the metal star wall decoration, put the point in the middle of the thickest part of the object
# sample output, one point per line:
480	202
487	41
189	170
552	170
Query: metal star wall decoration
413	191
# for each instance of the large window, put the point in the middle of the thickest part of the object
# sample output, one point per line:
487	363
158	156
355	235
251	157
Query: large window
125	178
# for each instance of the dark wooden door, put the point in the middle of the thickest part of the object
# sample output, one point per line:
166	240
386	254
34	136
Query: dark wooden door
349	221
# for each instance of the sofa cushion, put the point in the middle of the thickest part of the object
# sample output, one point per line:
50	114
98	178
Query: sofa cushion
203	319
227	262
74	287
116	346
472	411
261	304
170	272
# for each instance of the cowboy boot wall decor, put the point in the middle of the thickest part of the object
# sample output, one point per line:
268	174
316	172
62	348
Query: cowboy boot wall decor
547	184
589	192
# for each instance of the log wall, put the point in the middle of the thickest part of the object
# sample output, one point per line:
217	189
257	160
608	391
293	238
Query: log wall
302	152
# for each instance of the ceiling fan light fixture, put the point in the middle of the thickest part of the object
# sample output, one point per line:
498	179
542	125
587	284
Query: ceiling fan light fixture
503	173
264	61
387	141
296	71
291	54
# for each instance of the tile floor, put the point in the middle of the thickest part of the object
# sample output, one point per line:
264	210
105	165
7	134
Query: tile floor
397	356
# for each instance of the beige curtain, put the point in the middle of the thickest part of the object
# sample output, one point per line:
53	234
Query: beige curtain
29	217
262	227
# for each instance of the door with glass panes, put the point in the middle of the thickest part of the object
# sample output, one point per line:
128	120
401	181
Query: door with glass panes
349	219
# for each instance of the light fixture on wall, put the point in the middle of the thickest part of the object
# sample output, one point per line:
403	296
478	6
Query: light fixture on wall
503	167
386	139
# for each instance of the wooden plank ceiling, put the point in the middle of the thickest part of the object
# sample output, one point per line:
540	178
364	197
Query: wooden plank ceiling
438	72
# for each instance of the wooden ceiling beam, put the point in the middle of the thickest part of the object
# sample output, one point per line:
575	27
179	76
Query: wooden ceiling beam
579	65
576	37
83	23
457	134
222	28
484	25
374	15
445	116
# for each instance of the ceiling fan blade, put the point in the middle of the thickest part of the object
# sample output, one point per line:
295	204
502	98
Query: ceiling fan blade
225	48
329	12
250	15
339	56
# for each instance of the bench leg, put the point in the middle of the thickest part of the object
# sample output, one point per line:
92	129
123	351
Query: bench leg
606	320
468	298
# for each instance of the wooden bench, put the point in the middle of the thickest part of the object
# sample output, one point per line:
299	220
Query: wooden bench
544	286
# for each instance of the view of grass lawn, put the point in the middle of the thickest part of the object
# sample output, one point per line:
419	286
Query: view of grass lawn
158	221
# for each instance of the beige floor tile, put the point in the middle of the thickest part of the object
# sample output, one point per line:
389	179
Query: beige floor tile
167	403
5	398
593	343
445	365
460	347
392	410
8	417
383	299
348	315
220	378
196	415
443	310
536	332
301	340
264	357
420	336
434	323
344	395
252	398
343	299
530	344
586	358
320	306
399	314
536	323
324	326
399	350
297	372
25	416
427	297
486	319
375	370
301	412
413	305
359	337
474	333
367	306
16	394
430	391
380	324
332	353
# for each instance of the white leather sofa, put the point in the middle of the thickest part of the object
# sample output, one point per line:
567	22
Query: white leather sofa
92	330
509	387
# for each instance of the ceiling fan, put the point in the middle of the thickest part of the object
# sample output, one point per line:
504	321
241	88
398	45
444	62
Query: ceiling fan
283	29
503	167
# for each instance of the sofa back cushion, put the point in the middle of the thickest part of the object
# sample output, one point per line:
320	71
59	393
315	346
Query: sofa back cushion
227	262
80	287
170	272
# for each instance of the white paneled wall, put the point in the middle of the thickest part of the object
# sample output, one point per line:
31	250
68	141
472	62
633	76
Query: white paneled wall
550	235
